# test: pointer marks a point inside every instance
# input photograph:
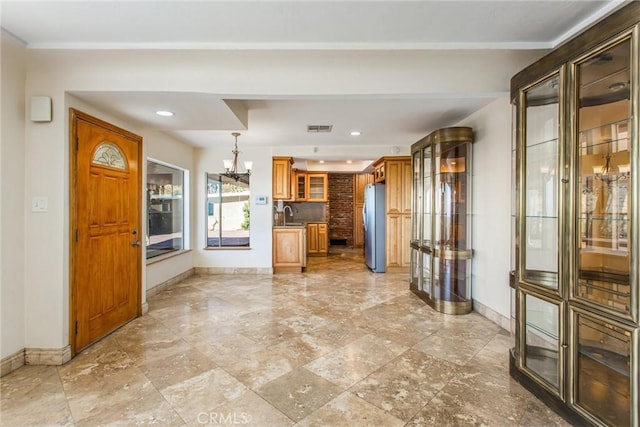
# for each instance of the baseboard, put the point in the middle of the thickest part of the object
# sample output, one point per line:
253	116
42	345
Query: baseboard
47	356
12	362
145	308
168	283
494	316
396	269
233	270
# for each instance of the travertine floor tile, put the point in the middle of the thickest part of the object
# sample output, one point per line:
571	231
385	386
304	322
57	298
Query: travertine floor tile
33	395
475	398
335	346
448	346
406	384
299	393
141	407
538	414
248	410
225	351
176	367
348	410
259	368
203	392
351	363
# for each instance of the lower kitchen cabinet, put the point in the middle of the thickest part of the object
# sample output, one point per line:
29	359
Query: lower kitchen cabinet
317	238
289	249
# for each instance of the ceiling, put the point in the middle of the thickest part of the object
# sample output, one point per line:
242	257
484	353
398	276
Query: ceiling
202	118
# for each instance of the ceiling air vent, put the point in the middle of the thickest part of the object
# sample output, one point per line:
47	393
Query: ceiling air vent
319	128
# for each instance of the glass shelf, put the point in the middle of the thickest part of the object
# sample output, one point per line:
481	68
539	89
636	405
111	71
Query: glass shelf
551	141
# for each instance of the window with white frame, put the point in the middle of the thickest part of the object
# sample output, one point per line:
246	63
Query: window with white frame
228	211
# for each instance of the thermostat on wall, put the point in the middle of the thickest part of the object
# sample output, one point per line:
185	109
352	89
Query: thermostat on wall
261	200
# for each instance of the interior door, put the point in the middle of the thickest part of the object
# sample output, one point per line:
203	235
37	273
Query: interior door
105	228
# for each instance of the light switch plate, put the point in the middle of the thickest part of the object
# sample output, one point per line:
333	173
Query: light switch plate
39	204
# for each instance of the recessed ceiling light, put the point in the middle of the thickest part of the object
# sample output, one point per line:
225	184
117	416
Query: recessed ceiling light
355	133
349	162
165	113
321	161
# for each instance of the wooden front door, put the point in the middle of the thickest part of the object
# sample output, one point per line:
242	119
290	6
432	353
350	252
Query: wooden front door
105	228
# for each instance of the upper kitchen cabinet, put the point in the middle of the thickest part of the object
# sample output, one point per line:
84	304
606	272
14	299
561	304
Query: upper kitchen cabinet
300	186
282	178
359	182
317	187
378	171
311	186
577	244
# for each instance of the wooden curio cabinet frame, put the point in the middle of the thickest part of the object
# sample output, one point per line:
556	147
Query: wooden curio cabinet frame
577	224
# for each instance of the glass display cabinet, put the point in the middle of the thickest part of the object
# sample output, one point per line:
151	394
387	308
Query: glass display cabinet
441	220
576	243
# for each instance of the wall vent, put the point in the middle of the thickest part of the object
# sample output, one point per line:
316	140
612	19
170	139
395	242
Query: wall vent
319	128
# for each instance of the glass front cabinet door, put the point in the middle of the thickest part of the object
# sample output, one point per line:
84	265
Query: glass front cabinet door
577	238
441	220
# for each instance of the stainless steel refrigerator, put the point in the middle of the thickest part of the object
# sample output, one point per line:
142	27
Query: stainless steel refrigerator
373	215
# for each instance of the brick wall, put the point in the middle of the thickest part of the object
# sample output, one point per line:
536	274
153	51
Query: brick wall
341	206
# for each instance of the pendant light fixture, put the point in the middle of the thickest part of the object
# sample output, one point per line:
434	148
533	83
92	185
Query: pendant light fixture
231	166
607	174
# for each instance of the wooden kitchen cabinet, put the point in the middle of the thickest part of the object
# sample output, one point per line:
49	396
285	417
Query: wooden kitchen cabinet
310	187
317	186
282	178
317	238
378	171
395	172
359	182
289	249
300	184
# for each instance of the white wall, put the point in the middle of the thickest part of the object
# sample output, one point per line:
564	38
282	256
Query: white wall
12	201
236	73
259	256
492	205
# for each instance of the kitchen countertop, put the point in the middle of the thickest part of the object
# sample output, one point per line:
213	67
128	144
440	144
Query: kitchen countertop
299	224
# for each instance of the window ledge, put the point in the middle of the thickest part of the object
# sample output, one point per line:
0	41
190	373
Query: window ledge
167	256
228	248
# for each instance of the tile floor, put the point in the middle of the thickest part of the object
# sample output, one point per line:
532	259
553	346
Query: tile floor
335	346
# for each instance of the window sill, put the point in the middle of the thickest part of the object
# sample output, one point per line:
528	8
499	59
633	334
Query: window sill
167	256
228	248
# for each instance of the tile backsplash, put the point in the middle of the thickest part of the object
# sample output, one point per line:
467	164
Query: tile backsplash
304	212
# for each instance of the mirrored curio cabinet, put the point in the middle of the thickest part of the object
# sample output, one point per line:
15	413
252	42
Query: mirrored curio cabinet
577	264
441	220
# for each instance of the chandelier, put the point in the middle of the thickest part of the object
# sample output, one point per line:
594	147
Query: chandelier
231	166
607	174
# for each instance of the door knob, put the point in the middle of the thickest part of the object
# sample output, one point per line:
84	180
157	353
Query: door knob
135	243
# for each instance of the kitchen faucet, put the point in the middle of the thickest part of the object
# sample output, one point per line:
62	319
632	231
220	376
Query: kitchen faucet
284	215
